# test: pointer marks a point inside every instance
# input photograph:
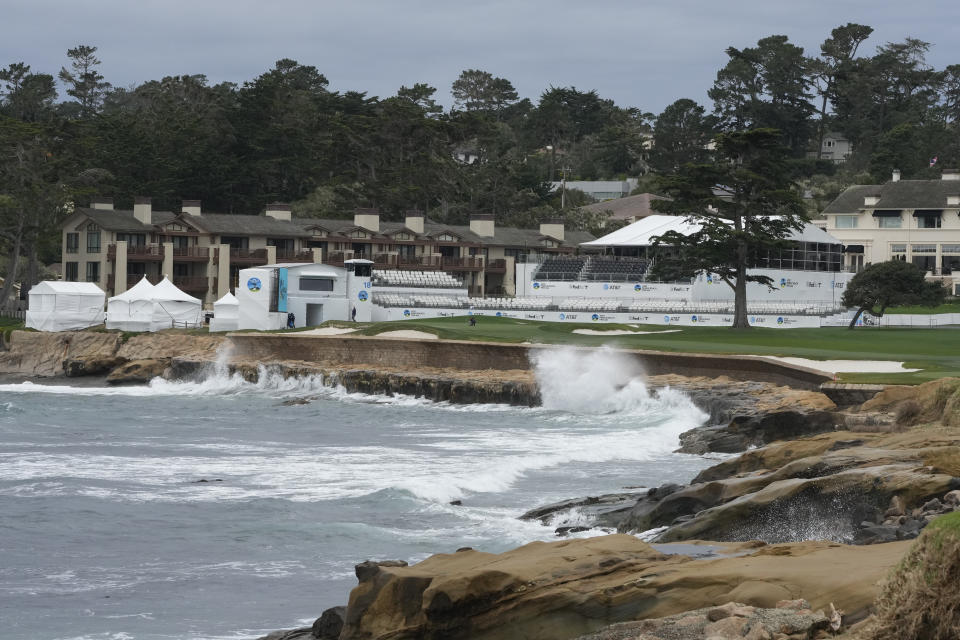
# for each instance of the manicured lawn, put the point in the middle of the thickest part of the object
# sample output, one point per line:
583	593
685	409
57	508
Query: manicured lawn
947	307
935	351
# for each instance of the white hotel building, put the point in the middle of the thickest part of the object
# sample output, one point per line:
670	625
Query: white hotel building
912	220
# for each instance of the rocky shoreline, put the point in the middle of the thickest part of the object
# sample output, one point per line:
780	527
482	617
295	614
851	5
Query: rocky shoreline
874	485
862	480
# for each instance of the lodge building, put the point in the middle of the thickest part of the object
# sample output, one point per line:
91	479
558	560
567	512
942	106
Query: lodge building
203	252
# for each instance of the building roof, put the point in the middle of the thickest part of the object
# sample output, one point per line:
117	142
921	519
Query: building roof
123	220
261	225
903	194
231	223
502	236
637	206
642	232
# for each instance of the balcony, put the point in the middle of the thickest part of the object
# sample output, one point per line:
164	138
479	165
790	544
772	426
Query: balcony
196	284
419	262
385	261
291	255
138	253
496	266
248	256
462	264
191	254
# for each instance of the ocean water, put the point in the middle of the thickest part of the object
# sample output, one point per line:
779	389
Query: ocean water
108	533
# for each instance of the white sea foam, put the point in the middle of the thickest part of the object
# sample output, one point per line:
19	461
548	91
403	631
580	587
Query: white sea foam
627	422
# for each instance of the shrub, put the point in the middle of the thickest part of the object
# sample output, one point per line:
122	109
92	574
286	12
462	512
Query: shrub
920	600
908	412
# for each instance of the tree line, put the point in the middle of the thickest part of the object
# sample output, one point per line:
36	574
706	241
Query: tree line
287	136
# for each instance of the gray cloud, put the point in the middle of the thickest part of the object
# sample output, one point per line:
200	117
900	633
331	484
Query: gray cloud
640	53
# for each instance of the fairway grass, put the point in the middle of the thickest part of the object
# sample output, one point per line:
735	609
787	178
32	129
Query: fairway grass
936	352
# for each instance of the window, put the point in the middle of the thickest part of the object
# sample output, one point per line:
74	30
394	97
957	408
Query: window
93	272
311	283
846	222
93	239
403	236
889	222
236	242
828	143
73	243
950	248
924	248
898	248
71	272
132	239
357	233
282	244
928	222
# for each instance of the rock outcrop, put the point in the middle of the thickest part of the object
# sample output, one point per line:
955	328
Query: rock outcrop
750	414
789	620
94	353
859	488
553	591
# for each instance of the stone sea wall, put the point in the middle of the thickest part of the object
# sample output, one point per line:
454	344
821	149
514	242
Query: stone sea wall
464	355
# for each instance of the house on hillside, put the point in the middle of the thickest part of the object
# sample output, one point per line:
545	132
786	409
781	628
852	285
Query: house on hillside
203	252
628	209
599	190
835	147
913	220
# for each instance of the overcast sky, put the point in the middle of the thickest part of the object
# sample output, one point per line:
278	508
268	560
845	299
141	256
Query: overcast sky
640	53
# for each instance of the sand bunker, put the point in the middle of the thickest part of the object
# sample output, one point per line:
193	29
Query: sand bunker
619	332
329	331
407	333
847	366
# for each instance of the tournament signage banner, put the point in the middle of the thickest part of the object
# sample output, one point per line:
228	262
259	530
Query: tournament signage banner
282	279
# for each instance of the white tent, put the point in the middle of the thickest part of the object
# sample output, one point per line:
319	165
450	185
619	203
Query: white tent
64	306
642	232
132	310
174	308
226	314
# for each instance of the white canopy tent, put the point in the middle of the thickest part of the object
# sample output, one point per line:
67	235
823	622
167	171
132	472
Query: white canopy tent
64	306
174	308
145	307
642	232
226	314
132	310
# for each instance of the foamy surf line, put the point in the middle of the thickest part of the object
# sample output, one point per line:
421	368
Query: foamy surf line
269	385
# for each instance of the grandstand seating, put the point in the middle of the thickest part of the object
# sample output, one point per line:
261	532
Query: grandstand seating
615	270
418	279
560	268
589	304
458	302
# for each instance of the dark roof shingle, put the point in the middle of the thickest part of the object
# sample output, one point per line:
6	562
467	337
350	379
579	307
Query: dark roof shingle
903	194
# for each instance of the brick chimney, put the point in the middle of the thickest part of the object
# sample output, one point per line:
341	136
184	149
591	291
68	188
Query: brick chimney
950	174
279	211
368	219
101	203
552	228
191	207
143	209
482	224
413	220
